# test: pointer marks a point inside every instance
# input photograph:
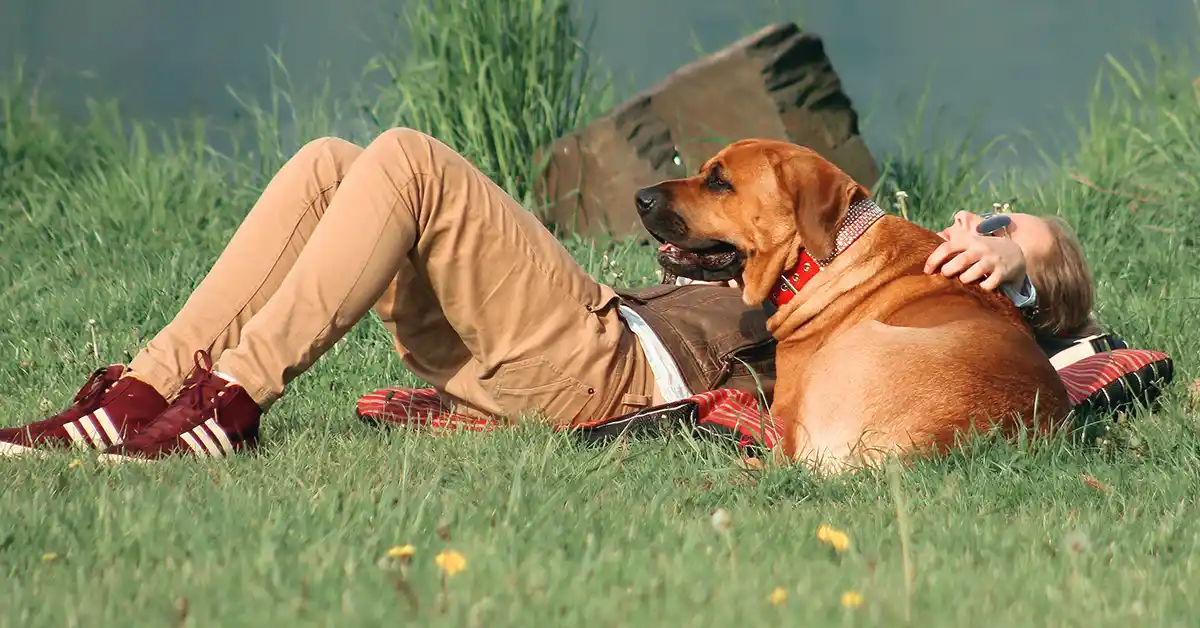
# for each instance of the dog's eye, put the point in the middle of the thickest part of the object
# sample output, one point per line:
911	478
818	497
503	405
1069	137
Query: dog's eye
716	180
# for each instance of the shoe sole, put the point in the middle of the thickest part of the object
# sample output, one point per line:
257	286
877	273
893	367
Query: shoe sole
13	450
115	459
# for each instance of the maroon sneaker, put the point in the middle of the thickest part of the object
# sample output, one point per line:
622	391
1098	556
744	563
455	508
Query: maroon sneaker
211	417
107	410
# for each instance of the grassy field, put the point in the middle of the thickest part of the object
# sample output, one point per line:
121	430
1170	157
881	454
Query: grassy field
105	226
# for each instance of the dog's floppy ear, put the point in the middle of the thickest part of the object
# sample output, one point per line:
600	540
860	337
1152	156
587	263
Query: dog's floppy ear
821	195
817	195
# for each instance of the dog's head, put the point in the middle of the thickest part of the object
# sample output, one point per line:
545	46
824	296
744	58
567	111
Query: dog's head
748	212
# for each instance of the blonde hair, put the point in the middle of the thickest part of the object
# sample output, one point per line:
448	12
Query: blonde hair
1064	286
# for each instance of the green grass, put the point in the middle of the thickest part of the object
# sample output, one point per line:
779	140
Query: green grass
495	80
102	237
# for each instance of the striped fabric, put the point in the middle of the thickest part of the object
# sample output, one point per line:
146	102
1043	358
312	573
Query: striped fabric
94	430
1105	380
207	440
1115	377
726	410
416	407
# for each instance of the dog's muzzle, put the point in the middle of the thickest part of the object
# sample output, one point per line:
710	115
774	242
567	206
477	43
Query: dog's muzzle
704	261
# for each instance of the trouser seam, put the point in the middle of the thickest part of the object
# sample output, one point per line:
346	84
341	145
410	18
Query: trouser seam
264	398
609	402
291	234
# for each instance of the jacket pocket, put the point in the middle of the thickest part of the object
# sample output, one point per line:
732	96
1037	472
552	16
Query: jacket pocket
534	386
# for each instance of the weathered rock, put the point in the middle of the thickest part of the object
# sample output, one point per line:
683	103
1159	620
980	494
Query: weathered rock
777	83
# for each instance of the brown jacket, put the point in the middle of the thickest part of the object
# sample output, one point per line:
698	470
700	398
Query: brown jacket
717	341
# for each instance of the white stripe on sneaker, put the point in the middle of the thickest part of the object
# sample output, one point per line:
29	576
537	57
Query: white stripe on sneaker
101	416
12	450
76	435
219	432
209	444
191	442
89	427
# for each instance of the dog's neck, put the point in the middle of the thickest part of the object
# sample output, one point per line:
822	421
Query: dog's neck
862	214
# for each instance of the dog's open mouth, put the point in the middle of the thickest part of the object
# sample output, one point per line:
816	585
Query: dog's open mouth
719	262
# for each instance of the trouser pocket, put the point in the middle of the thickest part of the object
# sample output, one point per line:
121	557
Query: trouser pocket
534	386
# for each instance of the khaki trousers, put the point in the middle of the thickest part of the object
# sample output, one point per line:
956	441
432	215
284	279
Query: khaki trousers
482	301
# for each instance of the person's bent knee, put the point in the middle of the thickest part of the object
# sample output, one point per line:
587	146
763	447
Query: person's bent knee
416	147
404	136
334	150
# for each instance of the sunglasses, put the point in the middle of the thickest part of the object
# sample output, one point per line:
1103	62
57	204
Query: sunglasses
994	225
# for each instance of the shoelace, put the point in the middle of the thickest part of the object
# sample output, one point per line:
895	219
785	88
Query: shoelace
198	397
94	388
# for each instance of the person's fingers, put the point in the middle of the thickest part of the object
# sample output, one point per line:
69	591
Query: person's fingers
943	252
979	270
992	282
961	262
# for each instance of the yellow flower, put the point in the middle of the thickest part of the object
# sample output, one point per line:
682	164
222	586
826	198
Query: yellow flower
74	464
778	596
852	599
49	557
450	562
838	540
401	551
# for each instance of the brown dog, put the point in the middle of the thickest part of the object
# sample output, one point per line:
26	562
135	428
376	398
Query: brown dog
874	356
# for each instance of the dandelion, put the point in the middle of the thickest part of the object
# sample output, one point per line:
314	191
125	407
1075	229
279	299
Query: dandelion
450	562
902	200
852	599
1076	542
778	596
49	557
402	552
721	521
397	555
74	464
398	559
838	540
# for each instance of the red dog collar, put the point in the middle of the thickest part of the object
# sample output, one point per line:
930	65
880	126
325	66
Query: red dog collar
792	281
861	215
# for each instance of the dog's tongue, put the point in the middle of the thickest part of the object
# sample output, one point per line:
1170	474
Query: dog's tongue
679	254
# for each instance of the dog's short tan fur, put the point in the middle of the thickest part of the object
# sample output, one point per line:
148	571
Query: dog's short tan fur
874	356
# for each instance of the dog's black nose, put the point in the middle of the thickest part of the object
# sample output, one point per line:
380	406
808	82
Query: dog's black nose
649	199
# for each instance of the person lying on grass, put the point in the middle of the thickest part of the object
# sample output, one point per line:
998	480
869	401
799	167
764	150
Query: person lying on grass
481	300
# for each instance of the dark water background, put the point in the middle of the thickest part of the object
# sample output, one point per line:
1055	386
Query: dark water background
1003	66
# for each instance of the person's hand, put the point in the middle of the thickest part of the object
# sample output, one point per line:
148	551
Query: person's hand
973	258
